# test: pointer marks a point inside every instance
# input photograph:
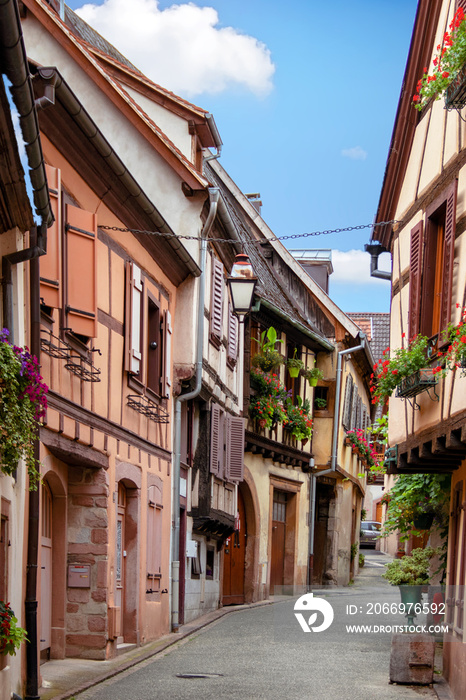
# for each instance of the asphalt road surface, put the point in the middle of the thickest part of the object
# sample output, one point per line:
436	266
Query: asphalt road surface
264	653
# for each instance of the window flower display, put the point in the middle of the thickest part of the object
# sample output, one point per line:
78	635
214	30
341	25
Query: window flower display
23	402
11	634
447	63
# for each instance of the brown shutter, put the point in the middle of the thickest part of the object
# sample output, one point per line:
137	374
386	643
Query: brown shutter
461	3
232	336
448	256
354	409
359	416
415	255
216	445
216	303
235	449
347	403
50	264
81	282
133	319
167	353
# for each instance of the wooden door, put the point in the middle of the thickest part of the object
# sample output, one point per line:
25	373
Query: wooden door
46	569
277	567
120	563
234	560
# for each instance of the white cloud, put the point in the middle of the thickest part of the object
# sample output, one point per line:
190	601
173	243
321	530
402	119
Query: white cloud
356	153
181	47
353	267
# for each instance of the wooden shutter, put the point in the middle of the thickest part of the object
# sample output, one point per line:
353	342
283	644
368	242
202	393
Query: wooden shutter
235	449
448	256
232	337
346	420
133	320
154	532
216	302
460	3
415	260
216	442
359	417
81	271
354	409
167	353
50	264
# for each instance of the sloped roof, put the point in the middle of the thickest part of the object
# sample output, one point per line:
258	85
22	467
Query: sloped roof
80	48
376	326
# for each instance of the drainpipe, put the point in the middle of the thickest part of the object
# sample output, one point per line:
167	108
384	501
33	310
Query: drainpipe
374	251
333	459
214	194
218	141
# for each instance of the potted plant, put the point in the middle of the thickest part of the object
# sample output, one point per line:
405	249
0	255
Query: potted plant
410	574
23	402
447	76
320	403
298	421
267	404
313	375
407	364
363	448
294	365
268	358
455	355
11	634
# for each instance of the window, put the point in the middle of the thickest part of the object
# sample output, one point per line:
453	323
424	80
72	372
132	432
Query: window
196	568
226	445
432	253
292	383
209	565
68	271
321	398
216	302
154	535
347	406
148	334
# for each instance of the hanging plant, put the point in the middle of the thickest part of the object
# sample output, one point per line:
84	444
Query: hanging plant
268	358
294	365
11	634
23	402
313	375
455	355
267	405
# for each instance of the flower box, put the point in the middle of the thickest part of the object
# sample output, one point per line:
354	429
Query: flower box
455	94
416	383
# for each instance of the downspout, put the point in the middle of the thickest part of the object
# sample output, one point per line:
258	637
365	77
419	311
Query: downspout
218	141
333	459
214	194
374	251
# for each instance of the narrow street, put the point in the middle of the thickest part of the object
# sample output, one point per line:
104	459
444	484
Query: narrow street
263	653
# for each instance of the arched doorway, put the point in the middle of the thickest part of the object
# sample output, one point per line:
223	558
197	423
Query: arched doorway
234	559
120	561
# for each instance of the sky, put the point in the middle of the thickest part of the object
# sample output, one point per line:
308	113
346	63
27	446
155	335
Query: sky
304	94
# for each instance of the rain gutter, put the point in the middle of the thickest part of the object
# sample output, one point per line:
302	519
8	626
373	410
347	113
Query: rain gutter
214	195
333	459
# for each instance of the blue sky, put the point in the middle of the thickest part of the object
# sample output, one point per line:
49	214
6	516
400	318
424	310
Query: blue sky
304	94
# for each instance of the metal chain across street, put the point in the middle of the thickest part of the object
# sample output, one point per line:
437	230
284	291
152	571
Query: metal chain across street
293	236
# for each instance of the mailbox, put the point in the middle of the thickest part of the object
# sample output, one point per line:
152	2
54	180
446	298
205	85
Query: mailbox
79	576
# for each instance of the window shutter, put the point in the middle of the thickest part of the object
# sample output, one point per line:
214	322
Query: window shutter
354	409
347	402
216	445
154	531
417	235
235	449
448	256
167	355
461	3
359	416
232	336
216	302
81	282
50	264
133	319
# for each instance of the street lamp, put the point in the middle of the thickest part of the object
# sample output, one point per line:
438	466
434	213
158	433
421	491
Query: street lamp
241	284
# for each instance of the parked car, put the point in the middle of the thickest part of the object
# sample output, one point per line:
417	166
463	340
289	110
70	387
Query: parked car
370	530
